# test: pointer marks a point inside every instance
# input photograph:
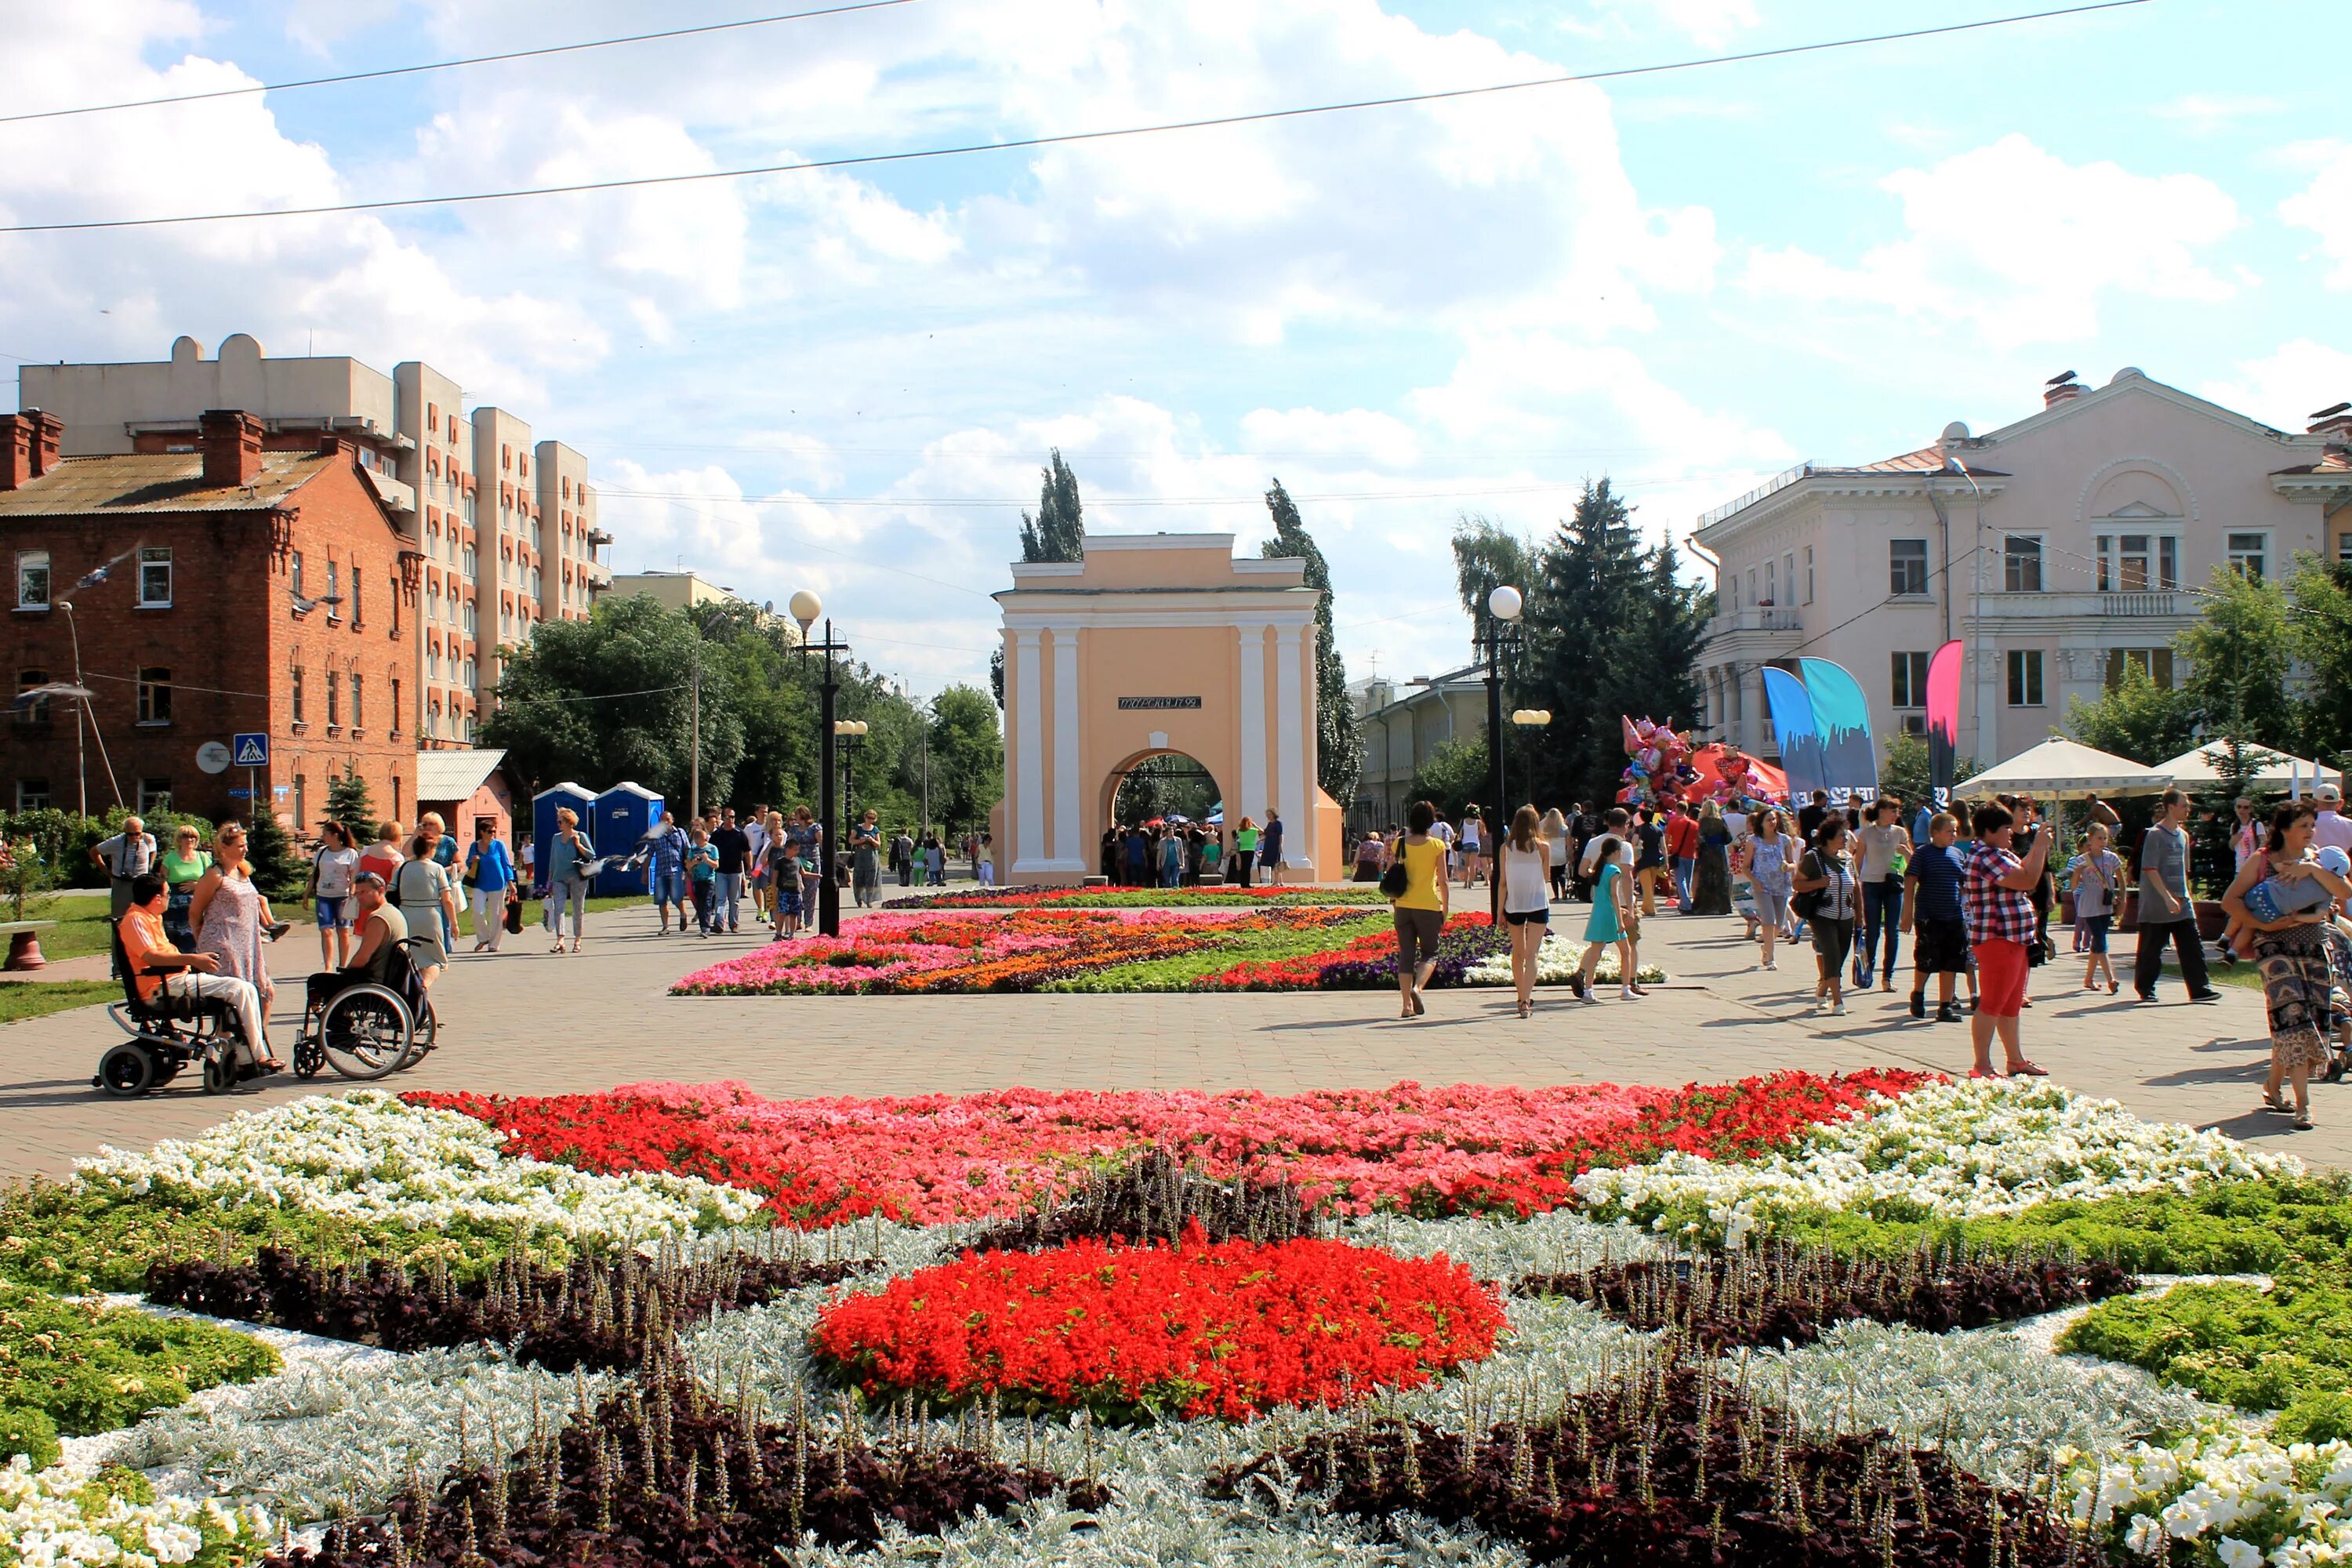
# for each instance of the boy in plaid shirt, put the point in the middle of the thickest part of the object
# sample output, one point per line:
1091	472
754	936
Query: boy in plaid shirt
1996	900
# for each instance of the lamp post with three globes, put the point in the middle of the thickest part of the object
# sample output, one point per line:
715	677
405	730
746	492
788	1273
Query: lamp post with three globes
806	608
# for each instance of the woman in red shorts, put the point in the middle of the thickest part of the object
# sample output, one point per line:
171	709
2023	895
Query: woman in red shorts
1996	900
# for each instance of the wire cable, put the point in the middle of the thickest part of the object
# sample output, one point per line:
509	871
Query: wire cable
869	160
447	65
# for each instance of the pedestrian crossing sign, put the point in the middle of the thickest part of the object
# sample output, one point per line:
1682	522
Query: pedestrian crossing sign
252	751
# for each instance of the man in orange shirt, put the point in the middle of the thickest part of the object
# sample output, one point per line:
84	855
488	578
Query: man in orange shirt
157	965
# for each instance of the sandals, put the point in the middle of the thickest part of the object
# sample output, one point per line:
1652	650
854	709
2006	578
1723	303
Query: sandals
2277	1105
2302	1123
1419	1007
2023	1068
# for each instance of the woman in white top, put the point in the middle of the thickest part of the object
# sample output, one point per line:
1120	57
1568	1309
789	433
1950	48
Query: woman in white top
1556	836
1524	864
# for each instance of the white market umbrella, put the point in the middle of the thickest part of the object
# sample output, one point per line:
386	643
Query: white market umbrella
2200	767
2060	769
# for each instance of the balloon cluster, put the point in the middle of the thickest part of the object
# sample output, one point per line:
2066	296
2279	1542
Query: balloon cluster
1660	770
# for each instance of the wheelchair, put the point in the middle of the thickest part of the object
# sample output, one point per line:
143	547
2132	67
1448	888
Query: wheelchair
167	1034
367	1029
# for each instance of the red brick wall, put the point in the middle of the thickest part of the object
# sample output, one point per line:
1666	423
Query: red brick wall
229	639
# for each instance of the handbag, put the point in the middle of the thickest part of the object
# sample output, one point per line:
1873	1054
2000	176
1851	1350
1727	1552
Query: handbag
1808	905
1395	881
513	918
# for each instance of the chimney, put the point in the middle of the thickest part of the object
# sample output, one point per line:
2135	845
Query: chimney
2334	422
231	440
15	450
48	433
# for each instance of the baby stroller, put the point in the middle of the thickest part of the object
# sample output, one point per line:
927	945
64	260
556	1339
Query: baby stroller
167	1033
366	1029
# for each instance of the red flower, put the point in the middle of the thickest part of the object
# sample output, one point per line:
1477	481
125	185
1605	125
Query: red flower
1229	1328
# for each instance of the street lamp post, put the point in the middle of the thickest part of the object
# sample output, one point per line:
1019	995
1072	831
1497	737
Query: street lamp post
806	608
852	731
1530	717
1499	634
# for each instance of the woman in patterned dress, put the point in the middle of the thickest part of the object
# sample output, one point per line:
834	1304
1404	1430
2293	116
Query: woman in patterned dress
232	920
2292	954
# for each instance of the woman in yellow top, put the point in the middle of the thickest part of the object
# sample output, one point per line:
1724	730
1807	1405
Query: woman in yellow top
1244	850
1420	908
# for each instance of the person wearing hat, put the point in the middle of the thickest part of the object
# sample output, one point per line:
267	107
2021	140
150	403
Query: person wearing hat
2332	829
381	928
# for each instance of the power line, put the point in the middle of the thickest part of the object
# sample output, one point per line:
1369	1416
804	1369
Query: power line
1068	138
447	65
784	498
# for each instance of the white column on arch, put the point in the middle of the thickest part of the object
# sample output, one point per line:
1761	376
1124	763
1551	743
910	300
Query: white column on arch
1290	749
1248	795
1068	853
1029	771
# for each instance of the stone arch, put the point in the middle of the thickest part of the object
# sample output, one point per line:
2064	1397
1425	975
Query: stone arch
2148	482
1154	643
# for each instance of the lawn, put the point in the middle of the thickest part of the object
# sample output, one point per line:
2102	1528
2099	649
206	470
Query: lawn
22	999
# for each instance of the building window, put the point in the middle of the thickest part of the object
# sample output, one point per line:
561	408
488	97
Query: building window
470	569
359	712
294	691
356	597
1752	599
32	579
294	574
334	703
2156	663
2025	678
2344	547
154	694
470	617
2250	556
2020	555
155	794
1789	572
301	801
156	577
2136	563
395	705
32	794
33	710
1910	680
1808	573
1907	567
1772	587
334	594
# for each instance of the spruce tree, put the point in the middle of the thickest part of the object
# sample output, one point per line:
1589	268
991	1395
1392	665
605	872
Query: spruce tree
279	868
348	803
1058	533
1339	745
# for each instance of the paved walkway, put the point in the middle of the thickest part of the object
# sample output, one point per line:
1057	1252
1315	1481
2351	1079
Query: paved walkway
527	1022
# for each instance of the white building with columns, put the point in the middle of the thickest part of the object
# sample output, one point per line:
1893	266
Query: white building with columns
2059	549
1152	645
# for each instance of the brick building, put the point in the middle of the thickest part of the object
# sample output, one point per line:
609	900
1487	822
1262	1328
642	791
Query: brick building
199	594
506	524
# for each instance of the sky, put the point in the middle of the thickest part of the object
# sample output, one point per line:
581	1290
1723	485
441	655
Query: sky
847	380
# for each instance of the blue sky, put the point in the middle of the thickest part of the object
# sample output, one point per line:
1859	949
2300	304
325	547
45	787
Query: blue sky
1686	282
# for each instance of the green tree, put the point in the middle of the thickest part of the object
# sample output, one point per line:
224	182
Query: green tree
967	758
1905	773
2240	654
1159	785
2136	718
1339	744
1611	633
1453	775
279	868
2321	597
1058	533
348	803
1485	556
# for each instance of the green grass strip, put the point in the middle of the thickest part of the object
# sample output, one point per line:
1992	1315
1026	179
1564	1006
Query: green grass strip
1178	973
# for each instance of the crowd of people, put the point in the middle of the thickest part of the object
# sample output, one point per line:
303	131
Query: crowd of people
1172	852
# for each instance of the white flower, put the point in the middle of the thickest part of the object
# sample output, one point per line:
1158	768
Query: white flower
2236	1553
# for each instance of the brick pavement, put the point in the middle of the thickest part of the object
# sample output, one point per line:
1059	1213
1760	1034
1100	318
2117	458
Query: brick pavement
527	1022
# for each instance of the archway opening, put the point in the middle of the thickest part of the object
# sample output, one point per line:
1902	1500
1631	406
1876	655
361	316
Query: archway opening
1168	786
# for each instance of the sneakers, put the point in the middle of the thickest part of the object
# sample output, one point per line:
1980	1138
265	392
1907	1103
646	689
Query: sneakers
1837	1008
2206	996
1949	1013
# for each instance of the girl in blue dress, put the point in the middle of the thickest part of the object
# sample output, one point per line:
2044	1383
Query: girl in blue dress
1612	921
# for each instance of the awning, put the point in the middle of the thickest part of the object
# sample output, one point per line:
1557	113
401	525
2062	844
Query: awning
2200	768
2060	769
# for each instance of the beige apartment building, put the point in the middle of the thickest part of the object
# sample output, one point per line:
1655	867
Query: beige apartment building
1401	724
2059	549
674	590
504	529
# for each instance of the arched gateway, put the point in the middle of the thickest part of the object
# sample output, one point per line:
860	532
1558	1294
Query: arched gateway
1157	643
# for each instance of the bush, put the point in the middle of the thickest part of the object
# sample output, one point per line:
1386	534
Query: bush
2315	1418
65	839
2234	1343
30	1432
92	1369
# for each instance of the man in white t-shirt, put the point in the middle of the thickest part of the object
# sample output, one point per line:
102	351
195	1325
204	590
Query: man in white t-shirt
1443	831
2333	826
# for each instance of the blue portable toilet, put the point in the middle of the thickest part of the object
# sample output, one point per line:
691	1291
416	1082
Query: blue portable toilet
625	814
542	818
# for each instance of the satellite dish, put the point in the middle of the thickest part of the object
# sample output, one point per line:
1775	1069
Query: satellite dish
213	757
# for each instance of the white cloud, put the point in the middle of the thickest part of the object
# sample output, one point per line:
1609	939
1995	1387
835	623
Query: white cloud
1713	23
2021	245
2325	206
2205	112
2287	387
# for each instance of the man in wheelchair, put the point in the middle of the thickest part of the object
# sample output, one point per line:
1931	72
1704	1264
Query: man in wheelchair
162	975
382	931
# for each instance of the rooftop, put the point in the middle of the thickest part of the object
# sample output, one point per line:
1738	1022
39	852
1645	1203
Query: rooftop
454	776
167	482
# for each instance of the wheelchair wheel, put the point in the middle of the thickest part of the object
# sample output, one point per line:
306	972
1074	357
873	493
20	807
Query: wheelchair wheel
220	1069
421	1038
365	1032
309	1060
124	1070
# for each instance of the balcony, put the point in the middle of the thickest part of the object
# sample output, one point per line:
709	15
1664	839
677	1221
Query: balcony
2155	605
1756	618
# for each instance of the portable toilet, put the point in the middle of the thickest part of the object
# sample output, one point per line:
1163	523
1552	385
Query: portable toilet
542	818
625	814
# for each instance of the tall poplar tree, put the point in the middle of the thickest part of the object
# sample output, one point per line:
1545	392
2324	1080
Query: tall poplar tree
1057	533
1339	744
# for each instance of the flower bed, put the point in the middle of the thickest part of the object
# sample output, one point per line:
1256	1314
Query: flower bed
1135	898
1294	947
85	1368
1229	1328
1017	1330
